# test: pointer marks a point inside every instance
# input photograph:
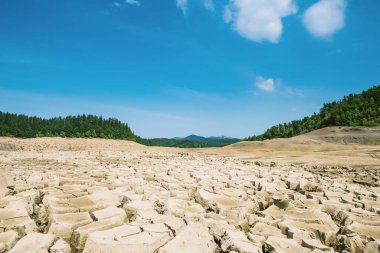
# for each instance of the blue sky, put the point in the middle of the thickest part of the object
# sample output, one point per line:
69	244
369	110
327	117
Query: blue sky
175	67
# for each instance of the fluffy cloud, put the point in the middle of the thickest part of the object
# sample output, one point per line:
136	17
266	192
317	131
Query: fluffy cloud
266	85
259	20
325	18
133	2
182	4
209	5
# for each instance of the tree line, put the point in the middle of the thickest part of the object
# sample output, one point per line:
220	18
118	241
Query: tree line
81	126
353	110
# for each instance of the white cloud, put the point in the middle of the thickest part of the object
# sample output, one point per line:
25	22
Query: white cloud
133	2
117	4
209	5
266	85
182	4
259	20
325	18
289	91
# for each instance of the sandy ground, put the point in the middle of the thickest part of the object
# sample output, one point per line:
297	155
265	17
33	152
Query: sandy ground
313	193
332	146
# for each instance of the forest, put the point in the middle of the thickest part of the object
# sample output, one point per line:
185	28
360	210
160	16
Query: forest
164	142
353	110
81	126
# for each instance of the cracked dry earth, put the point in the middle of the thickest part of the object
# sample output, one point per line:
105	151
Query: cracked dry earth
171	201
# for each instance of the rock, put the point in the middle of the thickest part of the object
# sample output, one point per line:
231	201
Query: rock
236	240
233	208
79	236
282	245
346	218
63	225
307	215
89	203
315	245
218	228
193	238
175	224
60	246
363	230
372	247
33	243
266	230
208	200
15	216
9	239
125	239
96	201
110	240
299	230
332	207
181	208
351	243
293	184
141	210
110	212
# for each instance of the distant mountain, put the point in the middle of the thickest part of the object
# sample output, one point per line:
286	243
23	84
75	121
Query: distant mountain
164	142
212	141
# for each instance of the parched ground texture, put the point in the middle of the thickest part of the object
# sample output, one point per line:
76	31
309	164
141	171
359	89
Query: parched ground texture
72	195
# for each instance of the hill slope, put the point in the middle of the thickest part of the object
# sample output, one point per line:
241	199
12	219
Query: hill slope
211	141
88	126
330	146
164	142
353	110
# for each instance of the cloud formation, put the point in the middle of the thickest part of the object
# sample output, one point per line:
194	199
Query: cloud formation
266	85
123	4
182	4
259	20
325	18
133	2
209	5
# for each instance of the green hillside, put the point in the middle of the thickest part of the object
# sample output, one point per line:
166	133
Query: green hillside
81	126
164	142
192	141
353	110
211	141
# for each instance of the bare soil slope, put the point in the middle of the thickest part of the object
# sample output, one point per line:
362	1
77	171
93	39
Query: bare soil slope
65	144
345	135
357	147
